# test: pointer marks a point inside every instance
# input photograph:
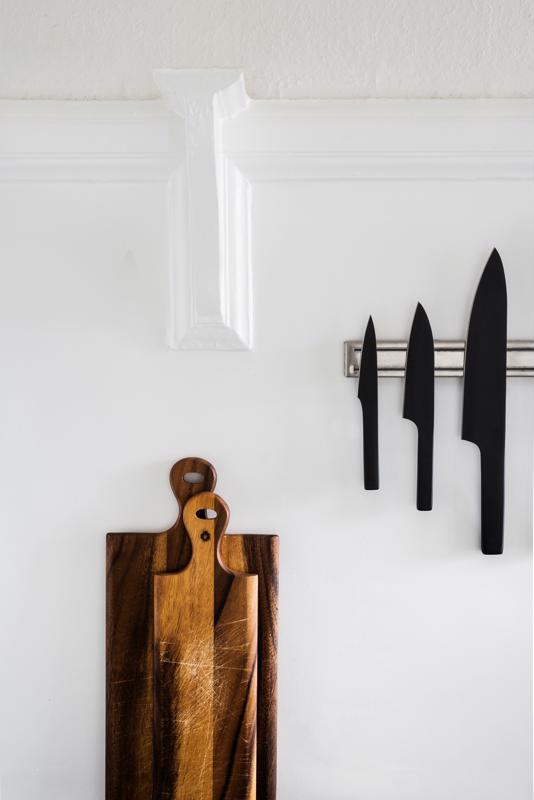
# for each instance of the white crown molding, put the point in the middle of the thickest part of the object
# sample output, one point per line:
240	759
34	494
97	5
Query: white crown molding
84	168
208	215
385	166
446	140
83	141
211	144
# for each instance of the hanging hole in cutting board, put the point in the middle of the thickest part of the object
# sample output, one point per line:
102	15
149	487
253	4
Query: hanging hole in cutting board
194	477
206	513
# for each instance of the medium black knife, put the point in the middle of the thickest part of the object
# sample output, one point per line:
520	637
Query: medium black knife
368	395
419	401
484	412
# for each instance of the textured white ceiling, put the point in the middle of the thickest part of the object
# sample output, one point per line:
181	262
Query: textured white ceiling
288	48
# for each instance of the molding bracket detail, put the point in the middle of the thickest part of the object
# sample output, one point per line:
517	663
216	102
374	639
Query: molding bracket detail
208	205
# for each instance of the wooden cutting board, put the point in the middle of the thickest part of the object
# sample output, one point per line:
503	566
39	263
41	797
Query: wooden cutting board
136	745
205	649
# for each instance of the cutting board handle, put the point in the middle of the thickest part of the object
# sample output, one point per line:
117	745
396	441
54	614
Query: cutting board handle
188	477
205	518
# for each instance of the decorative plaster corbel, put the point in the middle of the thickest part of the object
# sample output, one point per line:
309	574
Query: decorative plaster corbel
209	216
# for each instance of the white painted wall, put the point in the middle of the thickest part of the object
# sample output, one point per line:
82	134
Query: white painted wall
289	48
405	655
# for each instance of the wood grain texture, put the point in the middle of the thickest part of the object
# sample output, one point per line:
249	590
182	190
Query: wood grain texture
132	560
205	648
258	554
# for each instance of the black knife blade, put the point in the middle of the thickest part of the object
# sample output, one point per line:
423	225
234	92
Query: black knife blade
484	411
368	395
419	401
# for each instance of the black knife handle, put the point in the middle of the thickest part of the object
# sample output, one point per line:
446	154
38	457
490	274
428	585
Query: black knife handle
370	447
425	452
492	479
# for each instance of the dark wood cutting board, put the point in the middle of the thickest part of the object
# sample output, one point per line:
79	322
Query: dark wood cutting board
132	561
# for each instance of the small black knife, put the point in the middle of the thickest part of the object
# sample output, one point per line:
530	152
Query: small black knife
484	413
368	395
419	401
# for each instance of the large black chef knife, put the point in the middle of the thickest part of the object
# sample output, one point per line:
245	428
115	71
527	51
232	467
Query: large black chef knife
419	401
485	396
368	394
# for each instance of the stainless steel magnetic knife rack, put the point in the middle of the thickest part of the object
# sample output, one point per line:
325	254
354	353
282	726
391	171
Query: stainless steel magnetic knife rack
448	359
